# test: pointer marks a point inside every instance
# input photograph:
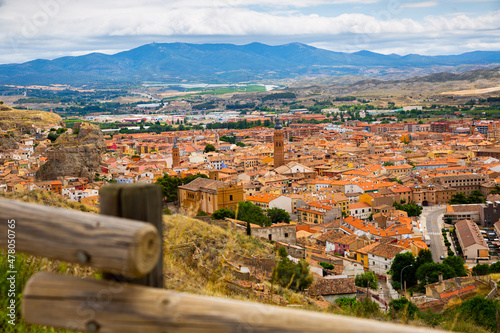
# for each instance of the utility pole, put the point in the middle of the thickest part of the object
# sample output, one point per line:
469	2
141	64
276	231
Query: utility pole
401	279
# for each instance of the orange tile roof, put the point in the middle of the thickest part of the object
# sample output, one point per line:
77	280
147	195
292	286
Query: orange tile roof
263	197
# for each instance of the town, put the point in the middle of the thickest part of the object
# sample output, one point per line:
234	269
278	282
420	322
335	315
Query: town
353	198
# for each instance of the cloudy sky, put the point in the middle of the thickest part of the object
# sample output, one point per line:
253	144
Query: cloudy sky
31	29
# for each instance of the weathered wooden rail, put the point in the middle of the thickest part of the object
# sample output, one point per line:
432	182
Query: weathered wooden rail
128	249
116	245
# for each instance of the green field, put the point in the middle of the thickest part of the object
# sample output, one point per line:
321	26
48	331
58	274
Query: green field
219	91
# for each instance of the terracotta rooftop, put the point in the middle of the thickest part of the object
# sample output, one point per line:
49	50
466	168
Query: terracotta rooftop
338	286
386	250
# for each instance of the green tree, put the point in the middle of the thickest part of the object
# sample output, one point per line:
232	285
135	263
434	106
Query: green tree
476	197
480	269
278	215
367	279
429	272
229	139
169	185
222	213
457	263
458	199
249	212
290	275
495	190
202	213
402	260
424	256
209	147
411	208
388	163
52	136
495	268
241	144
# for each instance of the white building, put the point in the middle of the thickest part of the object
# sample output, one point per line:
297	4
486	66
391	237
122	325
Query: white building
360	210
380	257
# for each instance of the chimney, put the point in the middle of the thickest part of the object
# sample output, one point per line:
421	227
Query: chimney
440	278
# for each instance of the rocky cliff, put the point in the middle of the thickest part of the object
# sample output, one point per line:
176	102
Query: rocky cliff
77	154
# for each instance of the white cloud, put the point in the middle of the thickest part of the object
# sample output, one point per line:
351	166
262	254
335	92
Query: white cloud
47	28
419	4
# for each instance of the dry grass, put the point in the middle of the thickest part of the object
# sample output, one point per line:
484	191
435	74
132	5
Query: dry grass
196	253
10	117
48	199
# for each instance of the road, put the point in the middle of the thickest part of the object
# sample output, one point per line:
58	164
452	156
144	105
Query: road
433	224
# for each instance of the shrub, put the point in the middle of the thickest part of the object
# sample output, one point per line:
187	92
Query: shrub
291	275
367	279
480	269
326	265
403	308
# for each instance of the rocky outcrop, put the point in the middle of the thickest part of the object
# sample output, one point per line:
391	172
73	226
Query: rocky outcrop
8	143
76	155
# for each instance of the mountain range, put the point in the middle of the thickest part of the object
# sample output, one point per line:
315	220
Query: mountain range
229	63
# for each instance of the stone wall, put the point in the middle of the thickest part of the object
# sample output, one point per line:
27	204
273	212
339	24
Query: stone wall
281	233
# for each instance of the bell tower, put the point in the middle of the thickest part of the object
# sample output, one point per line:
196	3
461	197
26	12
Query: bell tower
279	149
176	156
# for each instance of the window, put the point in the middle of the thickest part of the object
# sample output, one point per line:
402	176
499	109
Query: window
231	197
286	235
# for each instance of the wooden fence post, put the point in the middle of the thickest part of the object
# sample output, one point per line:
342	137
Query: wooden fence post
142	202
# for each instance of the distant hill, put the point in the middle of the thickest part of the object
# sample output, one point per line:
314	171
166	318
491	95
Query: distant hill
175	62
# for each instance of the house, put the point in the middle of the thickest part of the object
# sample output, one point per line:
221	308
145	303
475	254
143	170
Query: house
471	240
316	213
268	200
360	210
380	257
362	254
332	289
56	186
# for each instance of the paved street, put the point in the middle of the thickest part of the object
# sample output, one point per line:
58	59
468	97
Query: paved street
432	217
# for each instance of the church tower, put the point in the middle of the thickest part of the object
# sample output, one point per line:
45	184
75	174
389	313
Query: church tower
279	152
176	156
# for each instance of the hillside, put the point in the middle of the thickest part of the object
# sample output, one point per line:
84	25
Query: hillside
175	62
11	119
199	258
480	83
202	258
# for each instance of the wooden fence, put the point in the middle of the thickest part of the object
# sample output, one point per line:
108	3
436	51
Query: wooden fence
131	297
